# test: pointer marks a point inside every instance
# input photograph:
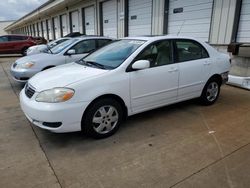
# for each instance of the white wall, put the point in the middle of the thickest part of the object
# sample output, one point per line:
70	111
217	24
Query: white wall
4	24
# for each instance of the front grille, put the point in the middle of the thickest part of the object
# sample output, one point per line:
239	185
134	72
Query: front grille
29	91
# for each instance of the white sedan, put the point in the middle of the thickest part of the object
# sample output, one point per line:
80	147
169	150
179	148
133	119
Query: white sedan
126	77
43	48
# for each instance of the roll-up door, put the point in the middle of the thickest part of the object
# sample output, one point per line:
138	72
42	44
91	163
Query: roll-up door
244	24
89	20
64	26
190	18
39	29
75	21
44	30
50	29
109	18
56	27
140	17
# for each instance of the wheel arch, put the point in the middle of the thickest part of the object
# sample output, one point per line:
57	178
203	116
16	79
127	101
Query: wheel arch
111	96
217	77
48	67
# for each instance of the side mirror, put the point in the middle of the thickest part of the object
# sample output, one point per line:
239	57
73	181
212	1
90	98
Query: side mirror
71	52
141	64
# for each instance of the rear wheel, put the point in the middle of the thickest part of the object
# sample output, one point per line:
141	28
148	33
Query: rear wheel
210	92
103	118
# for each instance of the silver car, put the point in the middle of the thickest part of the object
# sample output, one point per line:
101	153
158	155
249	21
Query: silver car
69	51
43	48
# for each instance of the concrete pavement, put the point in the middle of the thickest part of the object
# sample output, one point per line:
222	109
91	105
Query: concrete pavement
182	145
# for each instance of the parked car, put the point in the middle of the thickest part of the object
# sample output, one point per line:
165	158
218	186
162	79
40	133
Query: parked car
16	44
69	51
43	48
40	40
124	78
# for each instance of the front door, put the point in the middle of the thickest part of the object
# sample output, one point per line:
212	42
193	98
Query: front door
82	49
157	85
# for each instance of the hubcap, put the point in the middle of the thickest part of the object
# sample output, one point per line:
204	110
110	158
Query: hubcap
105	119
212	91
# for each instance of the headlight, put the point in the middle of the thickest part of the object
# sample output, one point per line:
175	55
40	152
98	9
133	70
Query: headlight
26	65
55	95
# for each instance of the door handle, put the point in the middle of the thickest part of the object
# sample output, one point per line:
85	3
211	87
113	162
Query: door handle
207	63
173	69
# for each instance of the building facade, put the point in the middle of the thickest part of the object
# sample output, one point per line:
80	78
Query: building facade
221	23
3	25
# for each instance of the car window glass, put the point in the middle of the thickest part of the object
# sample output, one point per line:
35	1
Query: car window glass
190	50
16	38
85	46
157	54
114	54
101	43
3	39
60	47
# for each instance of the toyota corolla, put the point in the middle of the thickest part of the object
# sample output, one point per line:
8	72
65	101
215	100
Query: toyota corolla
126	77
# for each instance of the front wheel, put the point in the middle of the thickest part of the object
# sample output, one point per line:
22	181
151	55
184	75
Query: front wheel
102	118
210	92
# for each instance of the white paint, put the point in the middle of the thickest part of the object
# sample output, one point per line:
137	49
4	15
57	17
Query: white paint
75	21
50	29
109	18
132	87
195	19
44	30
244	25
140	17
89	15
64	26
56	27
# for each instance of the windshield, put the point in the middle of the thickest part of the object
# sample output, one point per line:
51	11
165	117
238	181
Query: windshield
114	54
56	42
60	47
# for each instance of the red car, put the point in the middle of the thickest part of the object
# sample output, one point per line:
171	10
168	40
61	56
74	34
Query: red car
15	44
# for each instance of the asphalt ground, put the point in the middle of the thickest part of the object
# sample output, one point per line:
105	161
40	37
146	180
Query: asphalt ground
182	145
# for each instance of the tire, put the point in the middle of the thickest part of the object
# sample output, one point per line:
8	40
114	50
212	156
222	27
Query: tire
103	118
24	51
210	92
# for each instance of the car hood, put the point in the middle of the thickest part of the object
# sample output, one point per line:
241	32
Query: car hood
63	76
35	58
38	47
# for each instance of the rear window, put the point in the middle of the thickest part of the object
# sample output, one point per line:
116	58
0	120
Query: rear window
102	42
3	39
188	50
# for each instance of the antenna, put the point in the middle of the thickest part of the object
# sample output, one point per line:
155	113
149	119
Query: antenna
181	27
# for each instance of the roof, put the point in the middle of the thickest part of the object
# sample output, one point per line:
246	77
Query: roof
159	37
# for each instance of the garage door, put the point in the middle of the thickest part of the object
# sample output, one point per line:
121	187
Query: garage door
244	25
109	13
64	25
44	30
89	20
56	27
75	21
140	17
50	29
190	18
35	29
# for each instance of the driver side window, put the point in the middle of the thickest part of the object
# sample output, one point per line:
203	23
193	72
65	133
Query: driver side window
158	54
85	46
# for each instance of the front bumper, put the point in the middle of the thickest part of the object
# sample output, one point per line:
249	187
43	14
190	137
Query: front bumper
69	115
22	75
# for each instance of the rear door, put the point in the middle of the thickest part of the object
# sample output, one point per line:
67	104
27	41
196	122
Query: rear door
195	66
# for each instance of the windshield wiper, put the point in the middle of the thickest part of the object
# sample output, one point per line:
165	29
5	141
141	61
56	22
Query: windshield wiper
92	63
